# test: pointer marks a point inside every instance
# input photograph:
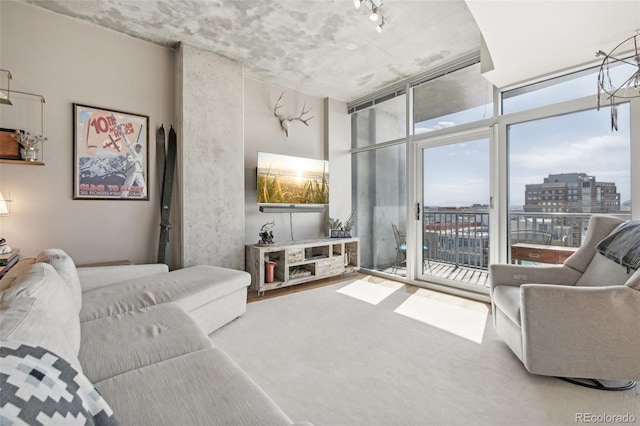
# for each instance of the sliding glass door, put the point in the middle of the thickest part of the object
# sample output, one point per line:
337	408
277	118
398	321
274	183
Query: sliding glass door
454	182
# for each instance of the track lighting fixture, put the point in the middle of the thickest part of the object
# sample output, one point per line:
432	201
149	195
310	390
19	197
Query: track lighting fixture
376	13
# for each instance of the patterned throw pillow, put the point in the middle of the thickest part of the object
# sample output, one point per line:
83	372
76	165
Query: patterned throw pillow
38	387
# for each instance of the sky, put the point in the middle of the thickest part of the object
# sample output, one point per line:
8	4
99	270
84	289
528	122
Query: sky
581	142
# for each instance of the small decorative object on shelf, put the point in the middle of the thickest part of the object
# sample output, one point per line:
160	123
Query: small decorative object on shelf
30	145
4	248
266	233
7	258
341	230
269	269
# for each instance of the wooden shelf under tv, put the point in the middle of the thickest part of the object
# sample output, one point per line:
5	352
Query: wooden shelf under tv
321	258
22	162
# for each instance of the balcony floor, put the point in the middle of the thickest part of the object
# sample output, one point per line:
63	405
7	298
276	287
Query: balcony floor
479	277
463	274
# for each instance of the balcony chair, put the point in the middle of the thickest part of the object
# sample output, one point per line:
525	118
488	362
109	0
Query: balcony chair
401	250
579	320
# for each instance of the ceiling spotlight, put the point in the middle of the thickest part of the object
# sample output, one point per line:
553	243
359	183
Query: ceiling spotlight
374	13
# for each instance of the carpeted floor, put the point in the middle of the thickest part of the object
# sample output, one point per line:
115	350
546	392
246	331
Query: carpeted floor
341	355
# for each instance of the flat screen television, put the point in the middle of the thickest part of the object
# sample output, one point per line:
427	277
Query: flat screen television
284	179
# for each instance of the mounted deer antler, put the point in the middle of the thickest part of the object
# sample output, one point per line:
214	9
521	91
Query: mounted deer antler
285	122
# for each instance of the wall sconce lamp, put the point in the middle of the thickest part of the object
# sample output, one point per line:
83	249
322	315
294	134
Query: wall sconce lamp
4	205
5	94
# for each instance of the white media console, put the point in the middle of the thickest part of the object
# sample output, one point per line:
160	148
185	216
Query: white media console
298	262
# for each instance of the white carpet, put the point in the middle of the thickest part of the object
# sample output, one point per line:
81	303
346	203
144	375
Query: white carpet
368	291
464	321
334	360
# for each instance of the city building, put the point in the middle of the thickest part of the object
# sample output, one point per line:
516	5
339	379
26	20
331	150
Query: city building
572	193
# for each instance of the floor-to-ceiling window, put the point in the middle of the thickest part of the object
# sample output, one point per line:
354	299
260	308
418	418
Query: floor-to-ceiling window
553	161
565	164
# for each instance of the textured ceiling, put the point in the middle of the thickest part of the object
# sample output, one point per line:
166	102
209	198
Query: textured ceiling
323	48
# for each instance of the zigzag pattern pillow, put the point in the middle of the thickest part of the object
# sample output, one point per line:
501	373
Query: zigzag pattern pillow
38	387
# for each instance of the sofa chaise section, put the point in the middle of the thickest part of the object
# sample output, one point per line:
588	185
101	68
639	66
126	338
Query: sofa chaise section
200	388
211	295
124	342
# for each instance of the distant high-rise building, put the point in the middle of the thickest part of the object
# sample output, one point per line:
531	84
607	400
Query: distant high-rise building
572	193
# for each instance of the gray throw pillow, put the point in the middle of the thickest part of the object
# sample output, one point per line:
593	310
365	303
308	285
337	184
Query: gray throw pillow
39	387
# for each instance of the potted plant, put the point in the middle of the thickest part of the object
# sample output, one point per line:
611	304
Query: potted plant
337	229
30	145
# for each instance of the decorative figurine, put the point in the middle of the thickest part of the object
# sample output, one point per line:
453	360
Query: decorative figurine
266	233
4	248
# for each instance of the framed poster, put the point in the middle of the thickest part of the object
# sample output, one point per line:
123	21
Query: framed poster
110	154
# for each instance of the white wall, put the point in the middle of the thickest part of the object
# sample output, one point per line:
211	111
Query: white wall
262	132
68	61
338	140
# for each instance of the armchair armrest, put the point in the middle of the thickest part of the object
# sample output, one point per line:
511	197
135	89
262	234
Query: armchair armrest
100	276
517	275
591	331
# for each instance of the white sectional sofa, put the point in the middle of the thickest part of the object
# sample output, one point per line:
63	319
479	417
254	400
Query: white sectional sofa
123	345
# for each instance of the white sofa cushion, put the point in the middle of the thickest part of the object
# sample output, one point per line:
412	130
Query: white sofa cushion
17	270
64	266
215	389
117	344
92	277
38	309
192	288
604	272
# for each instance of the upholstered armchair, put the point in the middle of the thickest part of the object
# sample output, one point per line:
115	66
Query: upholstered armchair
578	320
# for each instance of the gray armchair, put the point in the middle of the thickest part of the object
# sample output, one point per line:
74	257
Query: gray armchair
578	320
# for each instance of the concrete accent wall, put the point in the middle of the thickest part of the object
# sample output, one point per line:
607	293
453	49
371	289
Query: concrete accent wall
68	61
211	148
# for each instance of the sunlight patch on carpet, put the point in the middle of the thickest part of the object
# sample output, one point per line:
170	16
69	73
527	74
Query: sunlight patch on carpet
466	321
369	292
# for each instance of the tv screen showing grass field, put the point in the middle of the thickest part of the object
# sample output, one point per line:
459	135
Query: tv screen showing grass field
283	179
